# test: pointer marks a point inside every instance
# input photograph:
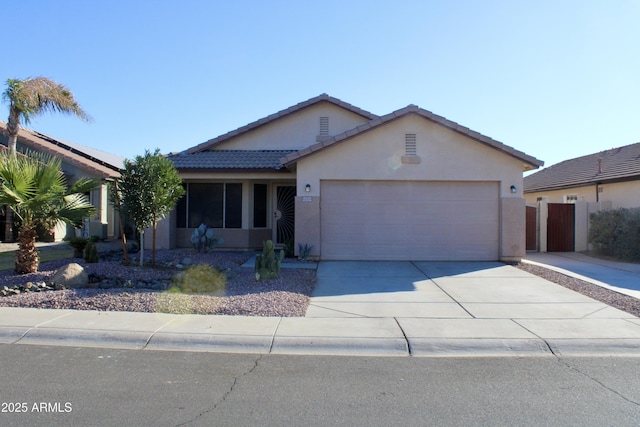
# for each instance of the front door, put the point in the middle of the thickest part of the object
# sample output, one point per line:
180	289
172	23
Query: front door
284	214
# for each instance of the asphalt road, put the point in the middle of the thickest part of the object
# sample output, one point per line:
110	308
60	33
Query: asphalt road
103	387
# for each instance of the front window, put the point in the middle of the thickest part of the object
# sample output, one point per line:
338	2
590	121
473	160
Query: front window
217	205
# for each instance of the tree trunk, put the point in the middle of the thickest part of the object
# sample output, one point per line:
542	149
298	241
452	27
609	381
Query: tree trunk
12	128
27	259
12	141
153	243
142	248
122	234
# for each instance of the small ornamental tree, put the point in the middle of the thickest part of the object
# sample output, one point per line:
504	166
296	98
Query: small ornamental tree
150	187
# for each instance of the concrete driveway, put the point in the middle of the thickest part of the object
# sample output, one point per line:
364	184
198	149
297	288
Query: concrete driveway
440	306
450	290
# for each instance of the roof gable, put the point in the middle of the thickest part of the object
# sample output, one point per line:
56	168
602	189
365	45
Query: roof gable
622	163
529	162
208	145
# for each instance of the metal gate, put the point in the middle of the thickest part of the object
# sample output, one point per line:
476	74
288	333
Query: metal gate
561	227
532	228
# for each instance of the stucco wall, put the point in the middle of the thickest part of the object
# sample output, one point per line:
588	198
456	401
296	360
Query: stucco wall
444	156
295	131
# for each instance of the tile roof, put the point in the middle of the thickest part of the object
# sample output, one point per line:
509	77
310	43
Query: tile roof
321	98
230	159
622	163
103	164
531	162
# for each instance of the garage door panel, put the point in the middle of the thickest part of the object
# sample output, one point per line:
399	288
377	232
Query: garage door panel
409	220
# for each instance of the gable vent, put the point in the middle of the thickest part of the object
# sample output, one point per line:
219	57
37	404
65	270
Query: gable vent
324	126
410	144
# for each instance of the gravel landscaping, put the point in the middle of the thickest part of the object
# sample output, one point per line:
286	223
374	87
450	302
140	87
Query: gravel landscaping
116	287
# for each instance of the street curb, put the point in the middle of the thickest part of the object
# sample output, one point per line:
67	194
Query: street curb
12	334
86	338
627	347
338	346
210	343
478	347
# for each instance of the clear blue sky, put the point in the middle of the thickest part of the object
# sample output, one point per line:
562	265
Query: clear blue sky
555	79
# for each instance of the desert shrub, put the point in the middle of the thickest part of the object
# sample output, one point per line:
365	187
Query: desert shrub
90	253
78	244
616	233
200	278
268	263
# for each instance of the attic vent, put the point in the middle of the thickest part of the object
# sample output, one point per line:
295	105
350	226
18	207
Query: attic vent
324	126
410	144
410	150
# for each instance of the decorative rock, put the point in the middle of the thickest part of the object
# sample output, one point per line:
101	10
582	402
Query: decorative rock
187	262
71	276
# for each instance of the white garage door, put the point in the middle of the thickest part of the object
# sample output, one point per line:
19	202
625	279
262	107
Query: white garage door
386	220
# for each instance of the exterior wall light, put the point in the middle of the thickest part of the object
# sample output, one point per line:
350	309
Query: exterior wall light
307	188
513	189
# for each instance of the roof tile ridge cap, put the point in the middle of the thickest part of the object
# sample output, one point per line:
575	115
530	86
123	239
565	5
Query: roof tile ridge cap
349	106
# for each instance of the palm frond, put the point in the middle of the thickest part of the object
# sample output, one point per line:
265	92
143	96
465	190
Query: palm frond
37	95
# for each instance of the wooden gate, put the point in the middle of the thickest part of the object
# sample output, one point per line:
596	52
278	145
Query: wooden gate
561	227
532	228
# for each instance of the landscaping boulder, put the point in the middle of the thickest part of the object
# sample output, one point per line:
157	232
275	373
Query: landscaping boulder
71	276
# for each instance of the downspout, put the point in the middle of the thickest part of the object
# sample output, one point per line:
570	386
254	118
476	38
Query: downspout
597	192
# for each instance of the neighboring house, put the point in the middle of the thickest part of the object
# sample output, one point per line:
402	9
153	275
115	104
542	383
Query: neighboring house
77	161
610	177
409	185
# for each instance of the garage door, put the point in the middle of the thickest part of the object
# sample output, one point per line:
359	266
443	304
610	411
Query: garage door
385	220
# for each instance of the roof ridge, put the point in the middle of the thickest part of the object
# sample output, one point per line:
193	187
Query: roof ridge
413	109
323	97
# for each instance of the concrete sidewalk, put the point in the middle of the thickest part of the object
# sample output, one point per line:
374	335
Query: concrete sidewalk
618	276
359	308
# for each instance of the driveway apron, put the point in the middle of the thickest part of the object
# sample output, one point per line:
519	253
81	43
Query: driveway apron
450	290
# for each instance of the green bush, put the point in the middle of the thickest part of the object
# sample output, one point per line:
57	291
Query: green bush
200	278
616	233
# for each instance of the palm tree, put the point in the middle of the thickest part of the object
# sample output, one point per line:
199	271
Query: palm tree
31	97
34	186
34	96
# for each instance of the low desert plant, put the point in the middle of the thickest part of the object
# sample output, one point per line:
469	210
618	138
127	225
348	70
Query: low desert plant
91	252
203	239
267	263
78	244
304	251
200	278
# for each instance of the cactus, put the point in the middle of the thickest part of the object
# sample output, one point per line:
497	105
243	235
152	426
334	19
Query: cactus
267	263
202	239
91	252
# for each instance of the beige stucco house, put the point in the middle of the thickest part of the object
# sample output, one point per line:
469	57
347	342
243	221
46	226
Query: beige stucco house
609	177
409	185
77	161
